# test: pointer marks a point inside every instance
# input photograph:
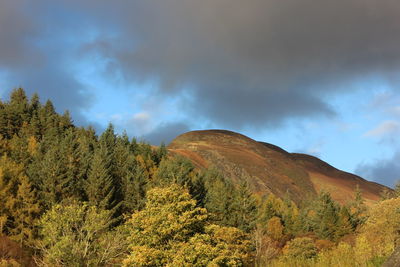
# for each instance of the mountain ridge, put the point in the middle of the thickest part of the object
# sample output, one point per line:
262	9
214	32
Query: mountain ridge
268	168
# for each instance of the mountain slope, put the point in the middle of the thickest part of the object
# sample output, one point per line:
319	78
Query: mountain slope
268	168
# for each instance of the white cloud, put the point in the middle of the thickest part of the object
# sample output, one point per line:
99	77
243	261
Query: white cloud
387	129
140	123
141	117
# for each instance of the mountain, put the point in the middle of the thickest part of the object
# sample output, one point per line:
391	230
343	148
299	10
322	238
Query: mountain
270	169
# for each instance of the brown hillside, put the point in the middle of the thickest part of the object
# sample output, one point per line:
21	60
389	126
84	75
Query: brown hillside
269	168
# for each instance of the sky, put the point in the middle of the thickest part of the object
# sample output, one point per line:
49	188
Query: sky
316	77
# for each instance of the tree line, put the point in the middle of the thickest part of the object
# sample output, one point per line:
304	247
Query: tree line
70	197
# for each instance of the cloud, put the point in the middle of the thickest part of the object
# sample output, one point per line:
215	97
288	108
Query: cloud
387	131
257	63
165	132
237	64
384	171
315	149
140	123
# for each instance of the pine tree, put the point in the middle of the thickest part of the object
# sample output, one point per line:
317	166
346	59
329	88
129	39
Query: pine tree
18	110
19	208
99	187
34	104
133	187
123	165
69	148
86	140
65	122
327	216
219	197
243	208
358	209
344	222
48	119
50	174
178	170
24	212
160	153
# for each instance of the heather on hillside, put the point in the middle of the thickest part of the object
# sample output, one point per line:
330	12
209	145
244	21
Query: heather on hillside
72	197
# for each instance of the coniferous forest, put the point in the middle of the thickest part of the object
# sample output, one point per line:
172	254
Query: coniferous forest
72	197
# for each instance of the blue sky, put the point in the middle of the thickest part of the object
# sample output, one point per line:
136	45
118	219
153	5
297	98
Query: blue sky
314	77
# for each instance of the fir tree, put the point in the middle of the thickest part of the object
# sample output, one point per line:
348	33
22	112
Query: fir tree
69	148
327	217
219	198
99	187
358	209
50	174
24	212
344	222
20	208
243	213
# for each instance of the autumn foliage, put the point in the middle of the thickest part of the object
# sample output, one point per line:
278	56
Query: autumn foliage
70	197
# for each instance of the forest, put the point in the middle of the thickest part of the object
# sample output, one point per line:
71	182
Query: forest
72	197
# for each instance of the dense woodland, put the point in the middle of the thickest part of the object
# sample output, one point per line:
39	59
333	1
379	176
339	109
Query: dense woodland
70	197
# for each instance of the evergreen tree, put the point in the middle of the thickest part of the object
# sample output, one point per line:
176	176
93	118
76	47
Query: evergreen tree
20	208
178	170
219	198
86	140
25	211
327	216
358	209
344	223
124	163
134	186
160	153
243	213
49	174
18	110
99	186
69	148
271	206
49	121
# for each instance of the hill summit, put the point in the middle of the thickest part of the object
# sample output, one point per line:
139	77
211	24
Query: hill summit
270	169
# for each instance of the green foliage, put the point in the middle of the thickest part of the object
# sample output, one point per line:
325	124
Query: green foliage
49	167
229	205
99	186
300	247
178	170
172	231
20	208
77	234
219	197
322	216
357	209
380	233
170	214
286	210
243	209
50	176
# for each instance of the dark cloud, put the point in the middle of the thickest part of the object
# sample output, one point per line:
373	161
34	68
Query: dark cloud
385	171
165	133
37	52
241	63
257	62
